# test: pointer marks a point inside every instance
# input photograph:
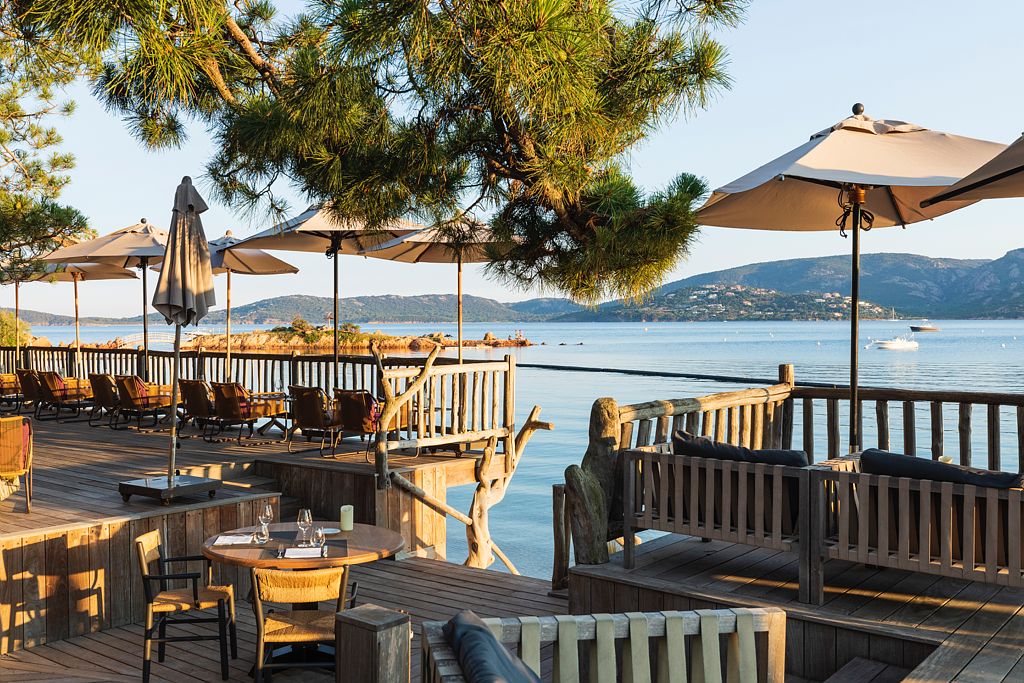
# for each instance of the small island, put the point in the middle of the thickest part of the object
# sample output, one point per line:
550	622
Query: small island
303	336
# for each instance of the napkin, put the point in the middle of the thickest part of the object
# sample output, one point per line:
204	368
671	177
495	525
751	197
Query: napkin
301	553
233	539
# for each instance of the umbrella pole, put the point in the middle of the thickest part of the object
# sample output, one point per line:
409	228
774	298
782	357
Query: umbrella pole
144	266
227	334
335	320
857	196
17	324
460	307
78	338
174	408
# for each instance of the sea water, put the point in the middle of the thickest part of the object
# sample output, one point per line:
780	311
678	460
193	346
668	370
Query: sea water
965	355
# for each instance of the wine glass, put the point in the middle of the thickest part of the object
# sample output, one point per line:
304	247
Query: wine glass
305	523
319	538
266	514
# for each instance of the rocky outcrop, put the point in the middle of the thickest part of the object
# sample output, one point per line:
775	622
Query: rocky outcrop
278	342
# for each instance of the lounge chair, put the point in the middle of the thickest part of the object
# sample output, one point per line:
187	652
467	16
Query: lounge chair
360	413
10	391
235	406
105	402
138	401
58	394
31	394
314	417
197	405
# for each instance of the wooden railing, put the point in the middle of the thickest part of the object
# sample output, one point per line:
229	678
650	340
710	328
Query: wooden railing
257	371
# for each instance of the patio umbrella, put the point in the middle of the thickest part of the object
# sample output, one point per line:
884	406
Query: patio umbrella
75	273
1000	178
859	174
318	230
184	290
471	243
137	246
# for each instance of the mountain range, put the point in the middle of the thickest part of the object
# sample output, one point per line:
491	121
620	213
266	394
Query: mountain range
806	288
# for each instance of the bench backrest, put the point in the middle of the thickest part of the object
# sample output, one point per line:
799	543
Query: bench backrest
687	646
750	503
955	530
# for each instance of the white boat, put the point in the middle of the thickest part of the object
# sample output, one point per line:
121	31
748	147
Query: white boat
925	326
902	343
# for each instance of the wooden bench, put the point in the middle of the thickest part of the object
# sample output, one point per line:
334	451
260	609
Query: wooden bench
750	503
953	530
663	646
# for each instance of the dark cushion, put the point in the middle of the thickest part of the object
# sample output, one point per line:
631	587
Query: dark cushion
481	656
684	443
875	461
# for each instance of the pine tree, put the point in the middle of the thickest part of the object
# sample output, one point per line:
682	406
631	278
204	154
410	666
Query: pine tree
517	111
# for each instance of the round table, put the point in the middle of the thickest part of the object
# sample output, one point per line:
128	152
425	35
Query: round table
365	543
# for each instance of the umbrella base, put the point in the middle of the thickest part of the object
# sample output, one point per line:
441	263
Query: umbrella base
157	487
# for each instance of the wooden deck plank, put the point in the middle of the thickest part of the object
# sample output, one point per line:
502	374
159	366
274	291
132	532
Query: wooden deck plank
427	589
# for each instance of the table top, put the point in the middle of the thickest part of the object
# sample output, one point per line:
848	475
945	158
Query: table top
365	543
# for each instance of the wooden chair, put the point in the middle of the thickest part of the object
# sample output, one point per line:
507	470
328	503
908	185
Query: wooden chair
137	402
31	395
16	452
311	415
162	602
197	404
104	400
295	626
665	646
236	406
57	394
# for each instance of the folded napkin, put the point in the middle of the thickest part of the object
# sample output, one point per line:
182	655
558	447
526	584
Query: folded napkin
233	539
301	553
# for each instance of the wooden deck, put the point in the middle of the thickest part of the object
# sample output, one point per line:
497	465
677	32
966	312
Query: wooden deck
427	589
939	628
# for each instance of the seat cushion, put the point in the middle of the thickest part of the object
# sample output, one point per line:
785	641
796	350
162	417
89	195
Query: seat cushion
684	443
481	656
298	626
182	600
875	461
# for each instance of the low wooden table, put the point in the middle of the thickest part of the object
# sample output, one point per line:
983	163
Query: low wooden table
365	543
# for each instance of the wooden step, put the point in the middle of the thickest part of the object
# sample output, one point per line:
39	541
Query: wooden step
860	670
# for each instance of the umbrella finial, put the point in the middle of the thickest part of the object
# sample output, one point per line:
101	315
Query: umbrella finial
228	233
143	221
858	109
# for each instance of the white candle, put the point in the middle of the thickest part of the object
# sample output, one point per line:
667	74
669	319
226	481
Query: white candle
346	518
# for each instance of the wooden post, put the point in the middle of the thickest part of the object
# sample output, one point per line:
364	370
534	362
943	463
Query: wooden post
228	377
560	528
371	645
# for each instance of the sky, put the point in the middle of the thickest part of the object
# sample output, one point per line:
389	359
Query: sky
797	67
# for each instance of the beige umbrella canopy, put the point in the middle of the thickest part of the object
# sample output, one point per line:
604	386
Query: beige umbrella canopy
137	246
224	258
1000	178
184	290
470	244
317	229
75	273
861	173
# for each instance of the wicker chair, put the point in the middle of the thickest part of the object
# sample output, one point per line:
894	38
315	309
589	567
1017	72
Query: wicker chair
197	404
296	626
137	402
10	391
311	414
104	401
16	452
28	380
163	602
58	395
236	406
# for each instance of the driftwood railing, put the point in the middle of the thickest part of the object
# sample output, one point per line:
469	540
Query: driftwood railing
588	509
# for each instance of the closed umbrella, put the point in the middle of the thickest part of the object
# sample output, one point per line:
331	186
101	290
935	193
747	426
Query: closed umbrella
137	246
469	243
317	229
75	273
1000	178
183	296
859	174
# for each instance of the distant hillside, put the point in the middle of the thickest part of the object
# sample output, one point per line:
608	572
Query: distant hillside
728	302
